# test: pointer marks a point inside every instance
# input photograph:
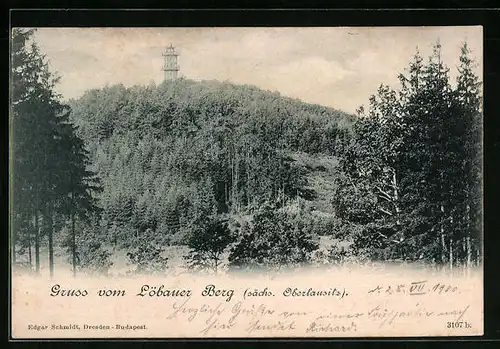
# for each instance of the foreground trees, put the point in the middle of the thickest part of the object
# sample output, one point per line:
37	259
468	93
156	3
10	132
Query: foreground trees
50	181
412	173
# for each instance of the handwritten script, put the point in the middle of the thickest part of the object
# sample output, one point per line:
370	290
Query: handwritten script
264	317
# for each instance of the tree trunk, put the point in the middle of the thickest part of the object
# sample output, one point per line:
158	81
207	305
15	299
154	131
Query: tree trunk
443	243
468	252
37	244
451	255
29	244
443	248
461	258
396	196
226	197
29	252
73	245
50	223
463	249
469	255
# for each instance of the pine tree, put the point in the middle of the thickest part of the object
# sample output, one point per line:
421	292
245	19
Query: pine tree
411	164
373	168
34	120
468	95
207	243
79	187
45	150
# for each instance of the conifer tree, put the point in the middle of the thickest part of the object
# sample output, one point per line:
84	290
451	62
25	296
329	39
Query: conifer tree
468	95
49	162
426	137
208	241
34	122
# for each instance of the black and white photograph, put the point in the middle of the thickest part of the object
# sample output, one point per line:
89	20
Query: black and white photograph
241	180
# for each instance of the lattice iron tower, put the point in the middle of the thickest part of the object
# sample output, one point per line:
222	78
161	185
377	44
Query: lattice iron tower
170	66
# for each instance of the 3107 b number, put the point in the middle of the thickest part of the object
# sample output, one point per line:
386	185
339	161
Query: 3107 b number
458	324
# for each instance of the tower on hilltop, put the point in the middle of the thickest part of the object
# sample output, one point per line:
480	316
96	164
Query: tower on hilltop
170	66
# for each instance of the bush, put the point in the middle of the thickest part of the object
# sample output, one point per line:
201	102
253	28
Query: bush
147	255
273	239
92	256
207	243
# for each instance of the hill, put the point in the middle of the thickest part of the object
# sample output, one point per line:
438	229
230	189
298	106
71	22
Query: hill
170	153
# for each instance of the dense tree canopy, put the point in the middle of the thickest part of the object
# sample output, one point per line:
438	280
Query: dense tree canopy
170	153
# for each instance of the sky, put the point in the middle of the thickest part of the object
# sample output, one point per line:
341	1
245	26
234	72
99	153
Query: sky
335	67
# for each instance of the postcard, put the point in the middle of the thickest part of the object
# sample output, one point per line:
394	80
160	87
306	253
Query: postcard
246	182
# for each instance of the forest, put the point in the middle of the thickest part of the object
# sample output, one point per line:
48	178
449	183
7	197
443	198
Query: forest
231	177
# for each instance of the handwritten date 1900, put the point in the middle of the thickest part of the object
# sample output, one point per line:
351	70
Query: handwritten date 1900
415	288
